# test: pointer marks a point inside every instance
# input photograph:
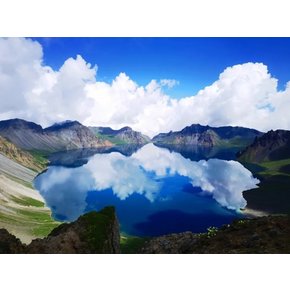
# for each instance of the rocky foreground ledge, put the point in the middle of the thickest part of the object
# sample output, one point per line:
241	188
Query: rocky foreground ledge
92	233
98	233
263	235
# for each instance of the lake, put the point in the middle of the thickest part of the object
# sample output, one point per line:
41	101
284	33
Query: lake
155	190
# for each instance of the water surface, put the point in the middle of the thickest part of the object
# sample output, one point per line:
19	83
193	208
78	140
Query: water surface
155	191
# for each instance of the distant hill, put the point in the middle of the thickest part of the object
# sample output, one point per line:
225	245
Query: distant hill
273	145
63	136
207	136
125	135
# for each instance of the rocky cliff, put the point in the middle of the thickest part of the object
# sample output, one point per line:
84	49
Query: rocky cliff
273	145
92	233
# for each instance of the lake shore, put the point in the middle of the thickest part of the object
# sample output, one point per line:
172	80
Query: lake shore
253	213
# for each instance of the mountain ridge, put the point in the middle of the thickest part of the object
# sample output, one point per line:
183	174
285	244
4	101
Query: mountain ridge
31	136
125	135
273	145
208	136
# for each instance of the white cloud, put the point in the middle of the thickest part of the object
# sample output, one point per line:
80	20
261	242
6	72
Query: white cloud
169	83
224	180
244	95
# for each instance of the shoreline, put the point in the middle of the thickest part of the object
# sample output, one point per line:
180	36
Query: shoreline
253	213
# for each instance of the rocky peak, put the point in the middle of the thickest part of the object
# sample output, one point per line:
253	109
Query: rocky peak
194	128
64	125
126	128
19	124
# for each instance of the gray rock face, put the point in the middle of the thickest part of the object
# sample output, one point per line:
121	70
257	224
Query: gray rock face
30	136
125	135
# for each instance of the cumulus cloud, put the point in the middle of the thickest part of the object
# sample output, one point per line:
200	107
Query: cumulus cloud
243	95
169	83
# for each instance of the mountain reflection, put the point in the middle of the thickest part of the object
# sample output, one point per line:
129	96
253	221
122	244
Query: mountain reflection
154	173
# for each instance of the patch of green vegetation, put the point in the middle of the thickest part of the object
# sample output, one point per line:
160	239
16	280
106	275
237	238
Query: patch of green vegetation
274	167
27	201
40	157
131	244
211	232
242	222
98	225
35	215
45	229
235	142
113	139
5	217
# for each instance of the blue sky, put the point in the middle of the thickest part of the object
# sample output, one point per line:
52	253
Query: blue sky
240	82
194	62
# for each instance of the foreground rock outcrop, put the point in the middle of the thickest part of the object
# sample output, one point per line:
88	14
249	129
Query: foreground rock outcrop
9	244
98	232
92	233
265	235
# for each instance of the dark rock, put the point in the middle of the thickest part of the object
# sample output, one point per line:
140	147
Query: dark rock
9	244
170	244
273	145
252	236
92	233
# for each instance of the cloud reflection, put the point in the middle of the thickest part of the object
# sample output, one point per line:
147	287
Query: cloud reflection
142	173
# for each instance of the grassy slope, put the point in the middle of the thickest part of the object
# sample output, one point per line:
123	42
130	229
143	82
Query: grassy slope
131	244
273	194
24	216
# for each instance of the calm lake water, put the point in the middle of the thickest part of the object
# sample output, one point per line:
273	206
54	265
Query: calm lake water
155	190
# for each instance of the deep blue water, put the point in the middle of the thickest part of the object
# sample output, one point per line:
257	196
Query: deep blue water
155	190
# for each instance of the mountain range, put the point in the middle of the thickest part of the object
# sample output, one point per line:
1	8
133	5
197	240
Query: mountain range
122	136
206	136
67	135
70	135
